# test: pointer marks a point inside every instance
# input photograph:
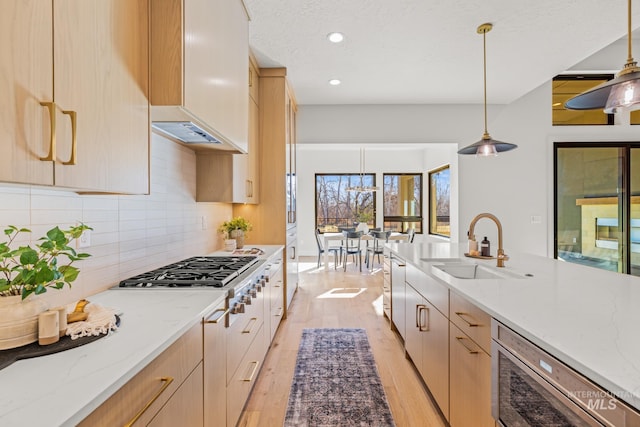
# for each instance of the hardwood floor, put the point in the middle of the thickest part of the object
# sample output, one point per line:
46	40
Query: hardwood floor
337	299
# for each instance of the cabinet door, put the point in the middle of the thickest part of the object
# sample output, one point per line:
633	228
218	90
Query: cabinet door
216	66
435	355
414	318
185	408
215	372
470	382
398	270
291	266
101	86
26	80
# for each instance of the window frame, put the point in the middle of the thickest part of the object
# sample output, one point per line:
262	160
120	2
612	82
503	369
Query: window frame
405	218
581	77
432	199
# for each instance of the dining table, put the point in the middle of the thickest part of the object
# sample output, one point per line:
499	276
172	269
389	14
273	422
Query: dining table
328	237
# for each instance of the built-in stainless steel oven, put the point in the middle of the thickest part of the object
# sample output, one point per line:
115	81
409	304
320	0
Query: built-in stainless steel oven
532	388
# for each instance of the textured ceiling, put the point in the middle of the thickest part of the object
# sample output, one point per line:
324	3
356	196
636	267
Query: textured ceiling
428	51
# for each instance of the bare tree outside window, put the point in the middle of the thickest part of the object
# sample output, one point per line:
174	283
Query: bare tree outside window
402	196
338	208
439	201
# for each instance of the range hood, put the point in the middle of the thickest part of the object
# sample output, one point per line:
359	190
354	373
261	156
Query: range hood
182	126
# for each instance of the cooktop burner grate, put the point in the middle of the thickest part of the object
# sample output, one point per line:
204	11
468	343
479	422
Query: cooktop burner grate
192	272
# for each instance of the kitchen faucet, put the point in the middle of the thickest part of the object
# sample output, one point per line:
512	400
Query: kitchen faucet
501	256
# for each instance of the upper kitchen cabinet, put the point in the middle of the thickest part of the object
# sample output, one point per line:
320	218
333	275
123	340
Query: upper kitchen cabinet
199	63
233	178
93	55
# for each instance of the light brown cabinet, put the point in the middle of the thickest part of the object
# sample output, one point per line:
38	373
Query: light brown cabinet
199	63
233	178
273	218
93	55
215	372
470	404
149	396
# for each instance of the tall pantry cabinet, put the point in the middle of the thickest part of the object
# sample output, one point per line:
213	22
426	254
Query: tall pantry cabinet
274	218
74	82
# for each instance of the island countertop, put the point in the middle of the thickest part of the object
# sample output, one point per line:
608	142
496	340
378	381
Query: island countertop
586	317
62	389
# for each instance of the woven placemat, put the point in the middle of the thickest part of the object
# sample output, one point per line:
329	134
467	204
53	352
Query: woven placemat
7	357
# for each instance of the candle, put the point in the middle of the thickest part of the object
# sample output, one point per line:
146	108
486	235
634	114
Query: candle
48	330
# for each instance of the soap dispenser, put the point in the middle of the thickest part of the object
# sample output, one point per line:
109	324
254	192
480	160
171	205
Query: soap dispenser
485	247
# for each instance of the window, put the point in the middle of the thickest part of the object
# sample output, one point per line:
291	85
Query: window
402	201
439	201
597	205
568	86
336	207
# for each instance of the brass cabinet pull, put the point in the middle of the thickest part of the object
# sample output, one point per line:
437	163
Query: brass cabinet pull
249	327
469	324
51	106
424	309
210	319
74	137
461	341
167	381
253	372
250	77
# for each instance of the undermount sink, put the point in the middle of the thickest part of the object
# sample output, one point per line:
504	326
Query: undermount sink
466	270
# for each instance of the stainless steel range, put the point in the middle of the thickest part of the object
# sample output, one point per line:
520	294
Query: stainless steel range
216	271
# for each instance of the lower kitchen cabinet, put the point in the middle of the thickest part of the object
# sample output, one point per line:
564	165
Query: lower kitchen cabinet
215	370
242	382
427	343
386	284
398	274
470	404
149	396
183	409
276	300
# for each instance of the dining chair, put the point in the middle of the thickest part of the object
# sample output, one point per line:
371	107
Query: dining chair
377	248
321	250
352	246
411	233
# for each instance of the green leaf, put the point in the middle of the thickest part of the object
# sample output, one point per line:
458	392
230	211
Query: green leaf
26	292
44	275
28	256
69	272
40	289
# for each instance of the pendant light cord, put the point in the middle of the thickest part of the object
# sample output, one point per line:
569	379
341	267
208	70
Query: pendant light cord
629	54
484	48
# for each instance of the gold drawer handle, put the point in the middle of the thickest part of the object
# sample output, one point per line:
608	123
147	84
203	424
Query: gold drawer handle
210	319
74	137
280	312
167	381
425	327
249	327
461	341
253	372
51	106
469	324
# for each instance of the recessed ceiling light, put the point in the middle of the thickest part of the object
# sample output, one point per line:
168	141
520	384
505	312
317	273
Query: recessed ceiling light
335	37
334	82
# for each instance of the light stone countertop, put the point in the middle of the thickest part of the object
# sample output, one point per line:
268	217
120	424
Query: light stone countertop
586	317
63	388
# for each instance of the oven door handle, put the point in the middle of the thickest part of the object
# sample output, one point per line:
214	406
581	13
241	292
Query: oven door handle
498	350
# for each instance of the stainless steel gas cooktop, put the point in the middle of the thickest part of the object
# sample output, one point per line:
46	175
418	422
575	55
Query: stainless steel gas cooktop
215	271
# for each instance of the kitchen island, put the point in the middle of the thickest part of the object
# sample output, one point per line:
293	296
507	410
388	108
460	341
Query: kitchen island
585	317
63	388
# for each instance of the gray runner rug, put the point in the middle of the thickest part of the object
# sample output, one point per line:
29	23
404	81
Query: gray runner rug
336	382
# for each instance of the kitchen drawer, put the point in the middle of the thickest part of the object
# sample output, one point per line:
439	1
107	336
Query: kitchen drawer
242	331
242	382
152	384
471	320
435	292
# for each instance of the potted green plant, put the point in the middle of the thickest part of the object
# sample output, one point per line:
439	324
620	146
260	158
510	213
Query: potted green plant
26	272
235	228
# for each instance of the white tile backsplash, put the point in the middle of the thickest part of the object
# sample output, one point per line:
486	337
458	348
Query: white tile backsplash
130	234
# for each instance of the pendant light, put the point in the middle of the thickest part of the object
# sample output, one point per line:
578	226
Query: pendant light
362	188
487	146
621	93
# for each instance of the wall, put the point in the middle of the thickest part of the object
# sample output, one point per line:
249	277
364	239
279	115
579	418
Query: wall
131	234
516	186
